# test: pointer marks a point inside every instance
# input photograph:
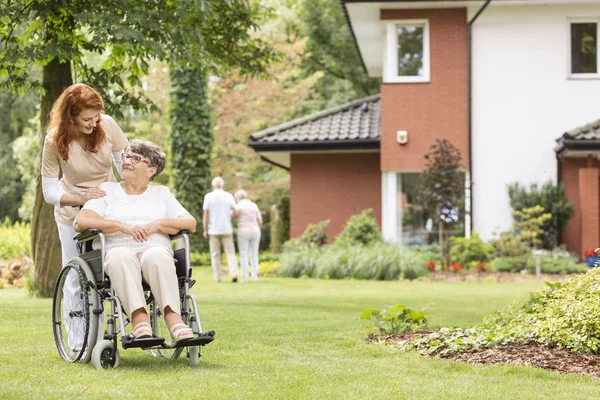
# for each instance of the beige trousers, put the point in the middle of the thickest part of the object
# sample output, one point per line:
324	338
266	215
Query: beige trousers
214	242
155	266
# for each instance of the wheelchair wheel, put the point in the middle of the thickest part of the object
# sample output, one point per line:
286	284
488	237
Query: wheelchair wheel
105	356
74	323
159	328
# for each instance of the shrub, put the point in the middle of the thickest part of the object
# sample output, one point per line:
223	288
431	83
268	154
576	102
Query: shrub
510	244
315	233
15	241
552	198
382	261
394	319
267	256
470	252
280	226
268	268
303	262
361	229
509	264
200	259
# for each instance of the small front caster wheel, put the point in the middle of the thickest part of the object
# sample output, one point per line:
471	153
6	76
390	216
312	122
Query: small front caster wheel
105	356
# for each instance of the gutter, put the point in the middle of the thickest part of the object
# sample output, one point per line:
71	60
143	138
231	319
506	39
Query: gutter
470	102
265	159
342	3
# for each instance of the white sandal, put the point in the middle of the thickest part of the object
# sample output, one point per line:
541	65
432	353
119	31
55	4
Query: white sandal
142	330
180	332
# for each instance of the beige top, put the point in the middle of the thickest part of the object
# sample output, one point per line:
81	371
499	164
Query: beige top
83	169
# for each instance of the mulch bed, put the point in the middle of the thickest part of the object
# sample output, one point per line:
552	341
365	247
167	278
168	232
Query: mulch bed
530	354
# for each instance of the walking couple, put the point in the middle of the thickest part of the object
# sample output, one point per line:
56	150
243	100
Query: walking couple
219	209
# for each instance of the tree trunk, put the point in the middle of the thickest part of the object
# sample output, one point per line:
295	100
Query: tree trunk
45	243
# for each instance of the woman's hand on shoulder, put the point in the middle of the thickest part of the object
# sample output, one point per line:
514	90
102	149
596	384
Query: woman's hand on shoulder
94	193
137	232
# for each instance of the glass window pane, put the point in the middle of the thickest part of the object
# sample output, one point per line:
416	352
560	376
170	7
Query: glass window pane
410	50
414	225
584	47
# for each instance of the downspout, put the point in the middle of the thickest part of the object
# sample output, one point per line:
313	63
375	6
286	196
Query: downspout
470	103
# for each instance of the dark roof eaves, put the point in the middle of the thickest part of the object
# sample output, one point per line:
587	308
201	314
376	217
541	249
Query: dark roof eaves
312	117
352	144
577	144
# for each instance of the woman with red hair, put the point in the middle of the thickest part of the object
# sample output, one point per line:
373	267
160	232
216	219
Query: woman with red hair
83	143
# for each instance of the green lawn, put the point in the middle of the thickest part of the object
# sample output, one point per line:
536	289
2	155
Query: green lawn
284	339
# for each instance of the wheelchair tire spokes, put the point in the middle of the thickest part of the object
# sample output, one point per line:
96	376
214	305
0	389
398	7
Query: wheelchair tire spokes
74	324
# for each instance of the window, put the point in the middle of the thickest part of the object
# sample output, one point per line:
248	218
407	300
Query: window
414	225
583	49
407	51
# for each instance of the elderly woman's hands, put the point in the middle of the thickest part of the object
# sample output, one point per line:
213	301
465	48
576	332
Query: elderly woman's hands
137	232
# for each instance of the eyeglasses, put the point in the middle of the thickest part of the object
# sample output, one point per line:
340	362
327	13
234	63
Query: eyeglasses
133	158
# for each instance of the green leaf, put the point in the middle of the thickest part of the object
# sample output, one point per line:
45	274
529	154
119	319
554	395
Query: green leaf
366	314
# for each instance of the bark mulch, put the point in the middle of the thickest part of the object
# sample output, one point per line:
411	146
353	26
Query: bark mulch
530	354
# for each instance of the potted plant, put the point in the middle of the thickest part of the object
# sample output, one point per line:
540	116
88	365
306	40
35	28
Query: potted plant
591	259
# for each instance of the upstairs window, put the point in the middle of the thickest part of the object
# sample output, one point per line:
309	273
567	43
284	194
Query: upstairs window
407	51
583	49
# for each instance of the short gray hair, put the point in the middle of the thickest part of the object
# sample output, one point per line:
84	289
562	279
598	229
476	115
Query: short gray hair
150	151
218	182
241	195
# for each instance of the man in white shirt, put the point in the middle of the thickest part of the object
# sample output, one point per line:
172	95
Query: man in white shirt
219	207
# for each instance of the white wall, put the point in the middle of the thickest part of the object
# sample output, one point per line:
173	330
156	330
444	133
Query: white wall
522	102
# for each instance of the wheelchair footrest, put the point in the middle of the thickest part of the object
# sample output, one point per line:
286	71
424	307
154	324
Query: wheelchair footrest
198	340
130	342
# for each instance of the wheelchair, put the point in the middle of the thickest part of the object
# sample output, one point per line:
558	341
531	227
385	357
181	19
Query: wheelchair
82	314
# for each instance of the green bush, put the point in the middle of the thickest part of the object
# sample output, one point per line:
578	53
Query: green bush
382	261
280	227
361	229
394	319
510	244
15	240
509	264
567	315
265	256
315	233
549	196
553	262
470	252
303	262
200	259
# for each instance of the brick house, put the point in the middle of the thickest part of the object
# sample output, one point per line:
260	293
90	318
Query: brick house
501	79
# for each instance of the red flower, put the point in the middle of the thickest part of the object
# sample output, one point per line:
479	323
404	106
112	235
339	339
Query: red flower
431	265
481	267
456	267
589	253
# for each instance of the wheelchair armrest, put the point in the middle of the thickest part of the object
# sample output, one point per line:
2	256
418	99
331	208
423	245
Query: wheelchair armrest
179	234
86	235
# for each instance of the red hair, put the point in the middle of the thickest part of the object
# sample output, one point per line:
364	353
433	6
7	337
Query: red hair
61	124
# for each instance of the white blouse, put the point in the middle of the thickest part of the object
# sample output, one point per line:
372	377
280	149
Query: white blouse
155	203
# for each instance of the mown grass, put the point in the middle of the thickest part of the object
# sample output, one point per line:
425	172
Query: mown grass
288	339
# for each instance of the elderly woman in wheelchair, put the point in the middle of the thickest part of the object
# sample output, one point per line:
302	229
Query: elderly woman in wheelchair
136	220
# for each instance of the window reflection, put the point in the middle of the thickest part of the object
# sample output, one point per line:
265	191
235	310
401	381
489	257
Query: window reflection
410	50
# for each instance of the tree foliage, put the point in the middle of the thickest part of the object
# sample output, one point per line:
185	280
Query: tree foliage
552	198
58	35
330	50
442	186
191	141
